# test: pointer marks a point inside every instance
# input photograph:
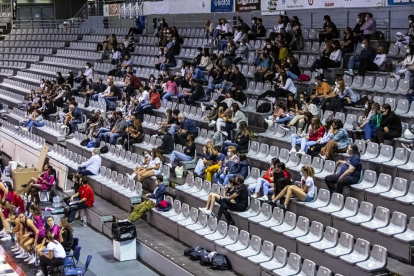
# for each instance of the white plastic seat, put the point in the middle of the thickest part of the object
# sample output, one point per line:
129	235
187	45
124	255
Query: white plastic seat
210	229
314	235
330	240
308	268
264	215
335	205
288	224
371	152
265	255
292	267
200	224
383	185
365	214
279	259
381	219
408	235
399	189
369	180
323	199
220	233
350	209
328	169
397	225
241	243
377	260
344	246
276	219
408	198
191	219
254	248
253	211
301	229
359	254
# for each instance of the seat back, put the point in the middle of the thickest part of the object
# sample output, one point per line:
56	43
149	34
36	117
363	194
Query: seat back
399	220
302	224
384	181
399	185
294	262
379	254
323	271
290	219
351	204
308	268
366	210
347	241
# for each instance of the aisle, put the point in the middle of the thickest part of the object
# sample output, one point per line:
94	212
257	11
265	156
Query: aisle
6	268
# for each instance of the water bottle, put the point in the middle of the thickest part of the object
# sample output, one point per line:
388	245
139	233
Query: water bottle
54	202
7	171
85	222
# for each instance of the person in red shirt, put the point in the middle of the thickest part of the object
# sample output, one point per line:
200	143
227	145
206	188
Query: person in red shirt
134	84
85	198
154	101
254	189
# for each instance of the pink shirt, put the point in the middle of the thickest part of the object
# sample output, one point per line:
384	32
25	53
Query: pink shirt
172	87
48	185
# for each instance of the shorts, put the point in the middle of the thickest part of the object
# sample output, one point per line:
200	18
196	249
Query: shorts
308	198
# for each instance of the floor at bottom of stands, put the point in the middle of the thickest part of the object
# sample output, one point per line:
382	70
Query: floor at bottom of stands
93	243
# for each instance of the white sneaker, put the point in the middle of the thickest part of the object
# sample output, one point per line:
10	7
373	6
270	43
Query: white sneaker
202	209
254	196
269	122
6	238
322	157
265	198
203	108
402	71
301	152
350	72
19	252
13	247
22	256
32	260
225	133
212	123
40	273
208	212
293	150
129	176
169	165
27	259
284	127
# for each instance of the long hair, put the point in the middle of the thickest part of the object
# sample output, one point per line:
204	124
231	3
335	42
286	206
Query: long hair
155	153
368	109
243	129
316	124
355	149
235	108
49	237
210	147
137	124
308	170
65	224
308	116
35	210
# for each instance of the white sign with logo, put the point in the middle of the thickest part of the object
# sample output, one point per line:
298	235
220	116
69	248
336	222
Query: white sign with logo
282	5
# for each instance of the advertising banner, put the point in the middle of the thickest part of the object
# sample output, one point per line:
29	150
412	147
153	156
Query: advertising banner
221	5
283	5
248	5
193	6
400	2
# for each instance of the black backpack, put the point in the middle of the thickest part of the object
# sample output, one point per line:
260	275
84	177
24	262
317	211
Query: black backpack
220	262
264	107
104	149
85	142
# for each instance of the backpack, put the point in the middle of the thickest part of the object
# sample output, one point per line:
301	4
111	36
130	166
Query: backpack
163	206
220	262
409	133
104	149
85	142
386	66
90	144
304	77
377	36
97	143
264	107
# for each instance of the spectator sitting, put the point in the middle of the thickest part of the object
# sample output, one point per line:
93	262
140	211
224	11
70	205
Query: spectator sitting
260	30
199	55
167	145
151	200
139	28
114	94
357	29
376	64
338	143
134	134
175	47
154	102
36	121
280	179
355	62
329	30
206	159
133	84
237	202
241	168
241	53
97	88
208	29
74	118
91	166
307	107
285	36
65	234
406	66
169	60
213	197
390	126
187	154
321	142
94	124
219	158
349	174
196	93
43	183
315	132
346	97
85	197
369	27
117	130
197	75
365	118
347	42
99	46
323	92
187	127
51	228
111	44
262	68
220	85
326	53
172	89
409	35
228	163
276	29
305	193
152	166
241	141
227	29
237	116
333	61
239	78
205	63
143	95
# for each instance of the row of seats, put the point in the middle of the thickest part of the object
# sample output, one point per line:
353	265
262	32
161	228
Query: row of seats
29	50
79	54
23	87
50	31
22	135
42	37
64	62
53	129
94	38
13	64
51	70
33	77
379	84
10	96
83	46
28	58
109	31
31	44
92	105
6	72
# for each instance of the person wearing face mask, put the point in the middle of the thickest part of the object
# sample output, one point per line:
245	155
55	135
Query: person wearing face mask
378	64
304	193
197	58
371	125
390	126
346	97
276	29
228	163
406	66
167	145
169	60
355	61
196	93
368	28
329	30
347	42
323	91
175	47
365	118
349	174
261	68
237	116
333	61
187	127
134	84
92	166
338	143
357	29
241	53
205	62
151	200
97	88
188	153
59	78
89	72
134	134
208	29
408	37
85	198
280	179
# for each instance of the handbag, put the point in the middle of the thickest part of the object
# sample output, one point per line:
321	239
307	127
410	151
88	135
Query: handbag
123	231
85	142
179	170
104	149
90	144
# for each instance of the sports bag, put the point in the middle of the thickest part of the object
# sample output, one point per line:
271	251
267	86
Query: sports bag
123	231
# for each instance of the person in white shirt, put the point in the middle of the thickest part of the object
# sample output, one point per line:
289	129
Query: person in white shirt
143	96
89	71
334	59
54	257
368	65
305	193
152	166
276	29
93	165
405	66
237	35
107	91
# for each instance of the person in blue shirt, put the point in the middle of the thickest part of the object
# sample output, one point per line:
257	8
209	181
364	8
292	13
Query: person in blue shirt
151	200
338	143
198	75
37	121
262	68
187	127
349	174
367	53
76	116
139	27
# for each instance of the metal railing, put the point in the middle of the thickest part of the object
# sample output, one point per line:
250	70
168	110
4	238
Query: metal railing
47	24
6	10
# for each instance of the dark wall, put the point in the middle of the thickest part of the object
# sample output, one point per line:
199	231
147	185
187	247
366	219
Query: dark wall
65	9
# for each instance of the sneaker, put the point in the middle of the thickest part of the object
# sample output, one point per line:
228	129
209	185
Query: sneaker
269	122
21	256
208	212
293	150
284	127
396	76
402	71
119	146
169	165
264	198
129	176
253	196
212	123
225	133
350	72
19	251
203	108
322	157
32	260
6	238
301	152
407	147
29	257
40	273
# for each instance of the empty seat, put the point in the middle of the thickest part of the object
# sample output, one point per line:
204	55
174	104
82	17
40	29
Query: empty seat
344	246
381	219
330	239
288	224
279	259
397	225
383	185
377	260
409	196
369	180
359	254
314	235
336	204
301	229
276	219
399	188
323	199
350	209
265	255
292	267
365	213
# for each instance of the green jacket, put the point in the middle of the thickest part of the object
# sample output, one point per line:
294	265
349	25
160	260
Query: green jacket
376	119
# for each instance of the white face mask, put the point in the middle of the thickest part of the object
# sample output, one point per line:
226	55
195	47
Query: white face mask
231	108
409	21
87	67
228	153
253	22
316	83
408	51
366	18
336	83
288	61
363	46
366	106
107	80
301	173
357	19
347	151
269	46
215	106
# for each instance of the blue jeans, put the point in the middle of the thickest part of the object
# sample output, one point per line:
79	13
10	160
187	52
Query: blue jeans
215	33
285	119
102	130
148	108
295	140
202	68
168	95
291	75
173	129
305	144
353	63
266	187
225	85
84	171
256	60
74	125
226	146
230	126
32	122
199	167
410	97
255	188
178	156
227	178
165	66
109	139
109	99
222	45
370	131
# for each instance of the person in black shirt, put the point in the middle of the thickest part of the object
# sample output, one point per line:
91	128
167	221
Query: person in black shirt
197	58
329	30
187	154
114	95
243	25
59	78
76	119
131	45
69	79
390	126
65	234
241	141
357	30
96	89
167	145
239	78
197	92
50	108
238	201
82	85
260	30
169	60
175	47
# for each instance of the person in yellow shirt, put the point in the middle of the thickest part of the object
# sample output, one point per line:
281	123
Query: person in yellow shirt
283	51
210	171
324	93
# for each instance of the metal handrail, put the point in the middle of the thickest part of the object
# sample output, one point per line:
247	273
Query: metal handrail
47	24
